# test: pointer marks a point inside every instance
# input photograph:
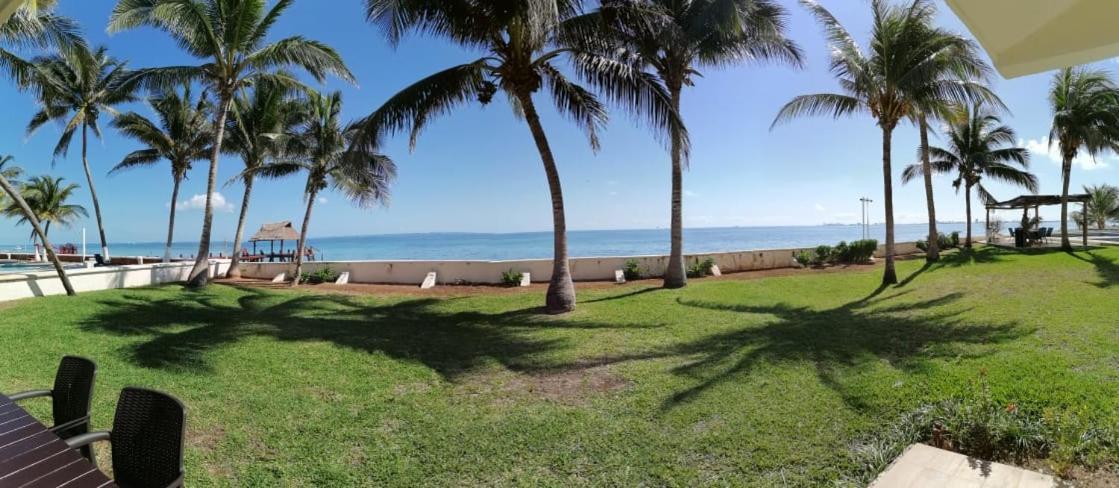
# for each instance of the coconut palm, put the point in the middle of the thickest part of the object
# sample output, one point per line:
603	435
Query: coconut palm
10	172
258	126
979	148
522	42
890	81
323	148
1085	104
74	89
181	136
1103	206
231	36
47	197
34	25
674	40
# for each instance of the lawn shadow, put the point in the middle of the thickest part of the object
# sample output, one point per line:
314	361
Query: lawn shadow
181	330
832	340
1106	269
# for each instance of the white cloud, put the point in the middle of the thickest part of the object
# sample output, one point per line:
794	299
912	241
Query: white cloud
820	208
689	193
1041	147
322	200
198	202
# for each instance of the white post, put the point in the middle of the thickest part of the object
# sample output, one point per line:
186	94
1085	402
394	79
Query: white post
83	245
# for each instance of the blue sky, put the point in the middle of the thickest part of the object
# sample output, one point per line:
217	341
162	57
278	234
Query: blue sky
477	170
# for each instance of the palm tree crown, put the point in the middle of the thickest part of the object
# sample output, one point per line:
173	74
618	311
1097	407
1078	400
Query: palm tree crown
48	199
1103	205
181	135
34	26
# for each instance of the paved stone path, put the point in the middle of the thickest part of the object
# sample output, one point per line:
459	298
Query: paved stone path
926	466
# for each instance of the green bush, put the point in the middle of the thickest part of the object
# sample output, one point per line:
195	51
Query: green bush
804	258
840	253
954	239
861	251
701	268
943	241
511	278
632	270
324	275
823	254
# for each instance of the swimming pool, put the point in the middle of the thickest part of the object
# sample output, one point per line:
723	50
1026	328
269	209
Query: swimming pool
18	267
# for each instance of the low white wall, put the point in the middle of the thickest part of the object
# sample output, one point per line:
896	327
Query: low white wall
14	286
489	272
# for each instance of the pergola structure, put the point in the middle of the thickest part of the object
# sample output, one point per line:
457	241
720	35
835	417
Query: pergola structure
1026	202
270	233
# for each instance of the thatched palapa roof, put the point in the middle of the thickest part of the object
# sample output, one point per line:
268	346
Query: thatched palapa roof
279	231
1030	201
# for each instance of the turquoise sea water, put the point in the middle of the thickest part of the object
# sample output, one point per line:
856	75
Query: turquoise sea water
529	245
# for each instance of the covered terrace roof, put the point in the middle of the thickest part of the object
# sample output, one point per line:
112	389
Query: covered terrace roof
278	231
1031	201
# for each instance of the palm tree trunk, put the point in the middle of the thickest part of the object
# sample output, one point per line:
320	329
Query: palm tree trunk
18	199
93	193
235	265
1066	171
967	209
561	290
300	249
199	275
889	276
933	253
674	274
171	219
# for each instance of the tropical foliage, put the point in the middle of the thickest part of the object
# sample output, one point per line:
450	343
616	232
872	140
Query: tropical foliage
181	136
979	149
1103	205
48	199
1085	104
231	37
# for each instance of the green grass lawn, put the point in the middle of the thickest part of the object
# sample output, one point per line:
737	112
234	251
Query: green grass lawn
727	382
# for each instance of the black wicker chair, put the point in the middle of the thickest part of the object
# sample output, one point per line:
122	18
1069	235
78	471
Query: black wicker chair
70	397
146	440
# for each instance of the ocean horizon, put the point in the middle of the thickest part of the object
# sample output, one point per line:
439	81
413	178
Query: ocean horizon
538	245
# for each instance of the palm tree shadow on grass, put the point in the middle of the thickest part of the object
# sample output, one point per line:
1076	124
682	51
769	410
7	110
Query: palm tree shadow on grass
181	330
1106	269
833	340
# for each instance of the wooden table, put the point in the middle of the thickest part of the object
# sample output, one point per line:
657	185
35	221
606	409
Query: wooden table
32	456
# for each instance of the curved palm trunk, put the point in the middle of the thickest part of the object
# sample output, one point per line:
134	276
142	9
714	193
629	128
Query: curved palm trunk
933	253
889	276
1066	170
93	193
674	274
967	209
301	248
31	218
561	290
171	220
235	265
199	275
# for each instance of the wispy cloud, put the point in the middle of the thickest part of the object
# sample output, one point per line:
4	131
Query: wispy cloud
820	208
198	202
1041	147
689	193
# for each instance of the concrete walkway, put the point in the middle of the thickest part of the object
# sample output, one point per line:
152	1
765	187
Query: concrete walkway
926	466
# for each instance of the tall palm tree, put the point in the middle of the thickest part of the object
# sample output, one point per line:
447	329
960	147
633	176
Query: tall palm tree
74	88
181	136
891	81
1103	205
323	148
10	172
979	148
47	197
255	132
523	42
1085	104
231	36
34	25
675	39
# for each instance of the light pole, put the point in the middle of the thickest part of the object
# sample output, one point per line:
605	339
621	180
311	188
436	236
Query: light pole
866	214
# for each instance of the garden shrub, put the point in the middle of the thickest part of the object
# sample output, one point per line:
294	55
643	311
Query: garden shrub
823	254
632	270
324	275
701	268
511	278
841	253
804	258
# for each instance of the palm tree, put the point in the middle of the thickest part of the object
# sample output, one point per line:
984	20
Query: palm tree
522	41
259	124
181	136
1085	105
231	35
34	25
891	82
674	40
1103	205
74	88
980	148
10	172
323	148
47	197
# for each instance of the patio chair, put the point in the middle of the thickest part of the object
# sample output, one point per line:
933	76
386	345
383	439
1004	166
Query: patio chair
146	440
70	397
99	261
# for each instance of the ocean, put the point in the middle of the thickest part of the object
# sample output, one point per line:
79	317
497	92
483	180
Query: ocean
532	245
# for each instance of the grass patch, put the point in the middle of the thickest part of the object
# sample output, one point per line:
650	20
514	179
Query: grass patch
754	382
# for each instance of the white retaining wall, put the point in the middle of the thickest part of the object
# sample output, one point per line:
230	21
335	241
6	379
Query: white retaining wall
582	269
14	286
